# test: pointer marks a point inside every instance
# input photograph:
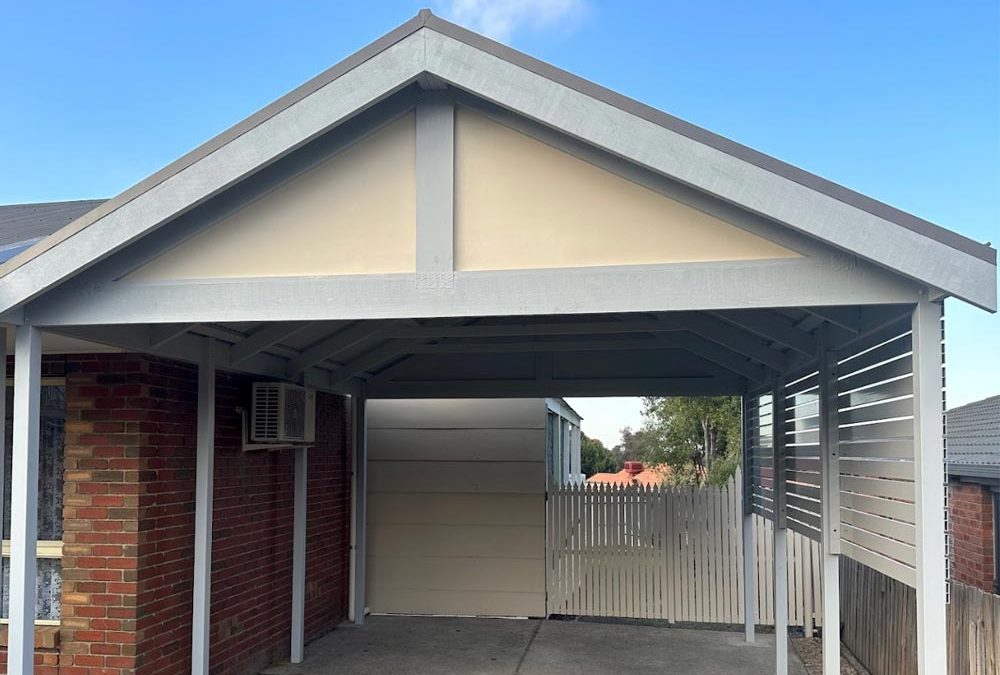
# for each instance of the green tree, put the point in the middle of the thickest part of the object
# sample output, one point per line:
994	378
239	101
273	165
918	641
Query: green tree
697	436
642	445
596	458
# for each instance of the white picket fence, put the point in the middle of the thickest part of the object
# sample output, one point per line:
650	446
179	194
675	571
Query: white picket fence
668	553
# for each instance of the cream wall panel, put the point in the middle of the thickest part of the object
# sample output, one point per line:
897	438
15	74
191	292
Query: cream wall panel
453	509
465	603
491	477
353	214
456	507
472	445
502	575
444	413
460	541
522	204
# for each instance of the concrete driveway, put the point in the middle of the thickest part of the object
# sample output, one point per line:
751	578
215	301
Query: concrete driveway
411	645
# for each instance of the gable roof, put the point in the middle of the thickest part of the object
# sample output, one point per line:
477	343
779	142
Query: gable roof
973	433
854	223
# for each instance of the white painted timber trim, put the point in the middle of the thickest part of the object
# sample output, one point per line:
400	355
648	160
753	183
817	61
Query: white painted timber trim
204	487
300	519
359	515
24	501
616	289
435	178
749	580
829	420
780	599
693	163
929	479
356	89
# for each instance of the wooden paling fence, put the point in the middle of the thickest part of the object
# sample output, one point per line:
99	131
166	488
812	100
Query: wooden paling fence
879	616
669	553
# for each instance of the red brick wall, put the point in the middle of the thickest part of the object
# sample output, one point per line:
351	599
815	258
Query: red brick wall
129	524
971	516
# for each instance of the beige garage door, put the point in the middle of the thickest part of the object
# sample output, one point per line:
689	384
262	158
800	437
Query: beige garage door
456	510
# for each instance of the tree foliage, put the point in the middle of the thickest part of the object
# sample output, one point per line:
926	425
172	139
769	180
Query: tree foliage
595	457
698	437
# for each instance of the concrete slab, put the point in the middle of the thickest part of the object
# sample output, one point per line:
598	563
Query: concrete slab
453	646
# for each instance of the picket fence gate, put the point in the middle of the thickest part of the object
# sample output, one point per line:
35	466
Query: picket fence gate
667	552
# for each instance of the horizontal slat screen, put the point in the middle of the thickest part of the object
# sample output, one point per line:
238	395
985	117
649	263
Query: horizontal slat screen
802	459
875	401
761	459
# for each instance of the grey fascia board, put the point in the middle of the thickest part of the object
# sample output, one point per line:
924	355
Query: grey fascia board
618	289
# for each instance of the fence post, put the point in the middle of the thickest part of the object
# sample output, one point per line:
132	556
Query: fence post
780	533
746	495
829	444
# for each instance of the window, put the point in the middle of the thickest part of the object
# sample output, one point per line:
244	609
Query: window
51	444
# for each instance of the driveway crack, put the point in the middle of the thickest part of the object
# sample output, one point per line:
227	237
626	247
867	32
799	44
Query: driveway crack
527	647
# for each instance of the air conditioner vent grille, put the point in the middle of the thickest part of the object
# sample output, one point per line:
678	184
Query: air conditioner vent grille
282	413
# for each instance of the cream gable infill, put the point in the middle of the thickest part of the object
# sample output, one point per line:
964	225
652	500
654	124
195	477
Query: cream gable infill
353	214
519	204
522	204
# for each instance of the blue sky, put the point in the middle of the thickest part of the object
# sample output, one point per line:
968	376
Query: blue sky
899	100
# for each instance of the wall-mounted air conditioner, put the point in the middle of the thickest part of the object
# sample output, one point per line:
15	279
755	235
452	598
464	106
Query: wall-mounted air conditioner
282	413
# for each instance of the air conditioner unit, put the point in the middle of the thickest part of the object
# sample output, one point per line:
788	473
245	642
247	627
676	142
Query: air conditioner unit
282	413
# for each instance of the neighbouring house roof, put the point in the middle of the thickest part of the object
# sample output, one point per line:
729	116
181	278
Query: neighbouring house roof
648	476
429	49
22	225
973	433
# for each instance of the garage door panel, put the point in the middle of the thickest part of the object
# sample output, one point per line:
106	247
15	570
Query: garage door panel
454	509
456	574
510	413
469	603
458	541
471	445
457	477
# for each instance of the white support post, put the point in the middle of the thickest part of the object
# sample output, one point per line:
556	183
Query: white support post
749	563
829	438
780	533
574	454
299	556
24	501
929	478
359	490
204	485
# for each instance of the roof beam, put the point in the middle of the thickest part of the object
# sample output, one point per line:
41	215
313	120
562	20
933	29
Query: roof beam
642	386
529	329
772	327
730	337
160	334
263	338
848	318
334	344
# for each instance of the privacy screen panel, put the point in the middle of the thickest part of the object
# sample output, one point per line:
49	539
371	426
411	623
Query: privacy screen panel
875	401
760	455
802	458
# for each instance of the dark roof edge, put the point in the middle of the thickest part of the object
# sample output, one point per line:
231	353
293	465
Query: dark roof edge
67	201
721	143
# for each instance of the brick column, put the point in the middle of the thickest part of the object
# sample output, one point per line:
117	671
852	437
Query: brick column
104	412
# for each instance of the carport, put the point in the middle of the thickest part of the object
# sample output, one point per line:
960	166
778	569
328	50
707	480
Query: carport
440	216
